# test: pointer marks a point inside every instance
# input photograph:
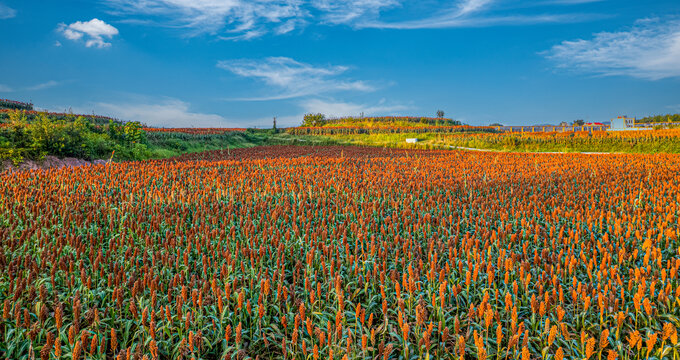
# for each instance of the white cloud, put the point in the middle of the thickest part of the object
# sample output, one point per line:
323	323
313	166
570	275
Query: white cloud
292	78
338	109
649	50
473	13
246	19
249	19
349	11
166	113
471	6
94	32
7	12
289	26
571	2
210	16
45	85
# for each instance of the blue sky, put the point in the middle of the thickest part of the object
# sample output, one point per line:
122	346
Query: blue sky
240	62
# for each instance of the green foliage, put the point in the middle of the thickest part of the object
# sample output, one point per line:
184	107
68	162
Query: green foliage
169	144
313	119
78	137
32	136
668	118
15	105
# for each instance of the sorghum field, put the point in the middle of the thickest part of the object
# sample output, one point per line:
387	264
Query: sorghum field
647	141
343	253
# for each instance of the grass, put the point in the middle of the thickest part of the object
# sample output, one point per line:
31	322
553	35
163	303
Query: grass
166	145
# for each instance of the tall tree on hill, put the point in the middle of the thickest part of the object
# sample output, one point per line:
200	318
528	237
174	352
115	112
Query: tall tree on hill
313	119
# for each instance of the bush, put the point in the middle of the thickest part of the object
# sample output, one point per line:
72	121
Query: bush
313	119
79	137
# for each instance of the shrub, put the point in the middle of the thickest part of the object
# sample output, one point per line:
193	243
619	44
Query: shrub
313	119
69	136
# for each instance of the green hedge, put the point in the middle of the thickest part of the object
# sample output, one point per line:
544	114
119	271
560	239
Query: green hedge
78	137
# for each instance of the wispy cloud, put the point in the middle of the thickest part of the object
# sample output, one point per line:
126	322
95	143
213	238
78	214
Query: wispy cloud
42	86
246	19
7	12
350	11
339	108
650	50
293	79
165	113
571	2
249	19
238	17
475	13
45	85
94	32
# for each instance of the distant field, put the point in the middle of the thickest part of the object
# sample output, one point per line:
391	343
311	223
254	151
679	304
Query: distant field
382	129
33	135
652	141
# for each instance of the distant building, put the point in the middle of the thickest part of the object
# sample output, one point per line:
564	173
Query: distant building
411	141
593	124
622	123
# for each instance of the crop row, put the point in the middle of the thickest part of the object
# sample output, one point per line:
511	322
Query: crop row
194	131
12	104
391	120
357	130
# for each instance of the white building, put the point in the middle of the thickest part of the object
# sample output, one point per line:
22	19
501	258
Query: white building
623	123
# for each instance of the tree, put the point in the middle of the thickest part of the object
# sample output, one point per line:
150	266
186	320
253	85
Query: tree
496	124
313	119
579	122
440	113
274	128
